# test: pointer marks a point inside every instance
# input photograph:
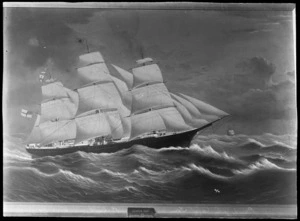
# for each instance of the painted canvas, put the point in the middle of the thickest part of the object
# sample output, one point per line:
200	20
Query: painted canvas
149	104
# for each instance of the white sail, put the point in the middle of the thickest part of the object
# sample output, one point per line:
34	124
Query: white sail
97	96
57	131
91	126
37	120
74	97
173	120
126	123
127	76
194	122
188	105
146	123
121	85
114	120
94	72
53	90
90	58
151	96
35	135
62	109
203	107
147	74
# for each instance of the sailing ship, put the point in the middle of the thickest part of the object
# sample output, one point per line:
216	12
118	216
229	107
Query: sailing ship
108	113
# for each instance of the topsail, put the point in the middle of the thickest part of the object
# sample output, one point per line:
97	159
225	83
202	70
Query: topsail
54	90
147	74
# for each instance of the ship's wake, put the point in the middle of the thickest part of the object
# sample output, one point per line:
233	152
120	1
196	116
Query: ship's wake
213	169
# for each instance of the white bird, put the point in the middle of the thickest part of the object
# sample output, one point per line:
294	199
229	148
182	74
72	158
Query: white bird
217	191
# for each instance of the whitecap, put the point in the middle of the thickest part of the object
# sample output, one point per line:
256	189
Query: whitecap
209	151
206	172
262	164
251	140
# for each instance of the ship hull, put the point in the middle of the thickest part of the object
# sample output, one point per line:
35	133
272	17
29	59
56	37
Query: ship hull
182	139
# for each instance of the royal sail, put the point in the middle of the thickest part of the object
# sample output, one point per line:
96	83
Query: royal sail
90	58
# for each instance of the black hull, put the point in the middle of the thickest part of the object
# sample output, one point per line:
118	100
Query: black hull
182	139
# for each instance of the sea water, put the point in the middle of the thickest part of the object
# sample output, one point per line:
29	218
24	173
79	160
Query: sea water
213	169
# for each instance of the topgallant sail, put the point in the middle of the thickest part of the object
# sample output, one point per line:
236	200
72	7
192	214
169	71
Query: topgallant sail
108	114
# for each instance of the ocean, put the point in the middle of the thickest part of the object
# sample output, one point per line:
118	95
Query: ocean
217	169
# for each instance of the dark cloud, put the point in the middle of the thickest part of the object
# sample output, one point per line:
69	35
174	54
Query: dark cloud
251	94
126	26
255	72
47	30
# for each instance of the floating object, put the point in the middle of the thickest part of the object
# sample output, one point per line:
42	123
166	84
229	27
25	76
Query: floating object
230	132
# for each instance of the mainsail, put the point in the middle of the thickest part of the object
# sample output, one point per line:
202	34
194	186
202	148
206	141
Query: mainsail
107	106
91	126
57	131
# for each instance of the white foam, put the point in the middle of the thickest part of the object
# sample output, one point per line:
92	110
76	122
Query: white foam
209	151
251	140
262	164
76	178
206	172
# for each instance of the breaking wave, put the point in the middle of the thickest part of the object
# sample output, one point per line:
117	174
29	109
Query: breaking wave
213	169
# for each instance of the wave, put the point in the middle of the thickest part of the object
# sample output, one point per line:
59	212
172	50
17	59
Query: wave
206	172
262	164
206	151
142	173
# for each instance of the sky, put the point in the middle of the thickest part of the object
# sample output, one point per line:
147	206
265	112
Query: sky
240	61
